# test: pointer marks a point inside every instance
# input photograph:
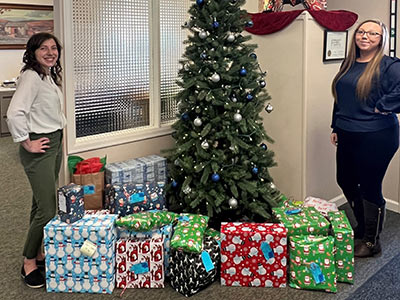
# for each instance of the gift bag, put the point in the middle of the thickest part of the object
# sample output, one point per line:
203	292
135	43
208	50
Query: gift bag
93	186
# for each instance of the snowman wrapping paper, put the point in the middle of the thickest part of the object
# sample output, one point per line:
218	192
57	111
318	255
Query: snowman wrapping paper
67	268
253	254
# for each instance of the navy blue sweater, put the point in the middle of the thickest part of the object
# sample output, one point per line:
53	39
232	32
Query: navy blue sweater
352	114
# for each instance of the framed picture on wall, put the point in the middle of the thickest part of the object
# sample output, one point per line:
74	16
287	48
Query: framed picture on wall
335	45
19	21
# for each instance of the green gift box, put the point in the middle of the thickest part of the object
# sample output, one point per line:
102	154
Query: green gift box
147	220
344	243
302	220
312	263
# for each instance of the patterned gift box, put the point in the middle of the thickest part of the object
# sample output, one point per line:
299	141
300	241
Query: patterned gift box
97	212
140	263
302	220
68	268
126	199
323	206
147	220
70	203
312	263
165	231
253	254
150	168
344	243
192	272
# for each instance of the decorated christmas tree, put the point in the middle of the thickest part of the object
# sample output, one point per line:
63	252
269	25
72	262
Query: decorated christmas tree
219	165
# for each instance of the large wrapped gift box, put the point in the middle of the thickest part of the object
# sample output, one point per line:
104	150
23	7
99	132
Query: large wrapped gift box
312	263
70	266
322	205
140	263
70	203
302	220
126	199
193	272
344	243
150	168
253	254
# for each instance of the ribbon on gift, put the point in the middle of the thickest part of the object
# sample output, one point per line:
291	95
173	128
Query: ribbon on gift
293	211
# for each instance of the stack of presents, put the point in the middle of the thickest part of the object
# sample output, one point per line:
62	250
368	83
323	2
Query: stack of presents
131	240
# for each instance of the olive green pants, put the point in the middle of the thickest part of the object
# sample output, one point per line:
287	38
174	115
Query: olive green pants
42	171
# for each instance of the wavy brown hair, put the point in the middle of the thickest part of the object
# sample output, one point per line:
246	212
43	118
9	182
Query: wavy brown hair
30	61
372	69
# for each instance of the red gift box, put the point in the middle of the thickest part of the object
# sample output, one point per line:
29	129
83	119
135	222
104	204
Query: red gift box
253	254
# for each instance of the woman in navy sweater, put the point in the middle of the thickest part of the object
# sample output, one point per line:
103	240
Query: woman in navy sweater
365	129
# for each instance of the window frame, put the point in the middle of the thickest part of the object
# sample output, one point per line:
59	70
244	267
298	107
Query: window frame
63	30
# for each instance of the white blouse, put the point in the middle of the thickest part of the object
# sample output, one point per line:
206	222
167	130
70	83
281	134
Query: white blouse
36	107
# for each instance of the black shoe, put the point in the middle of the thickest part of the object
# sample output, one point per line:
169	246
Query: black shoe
41	264
34	279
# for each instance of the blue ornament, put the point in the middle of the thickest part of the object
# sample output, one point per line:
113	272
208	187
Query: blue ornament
215	24
249	97
254	170
215	177
174	184
249	23
185	117
199	2
203	55
243	72
253	55
263	146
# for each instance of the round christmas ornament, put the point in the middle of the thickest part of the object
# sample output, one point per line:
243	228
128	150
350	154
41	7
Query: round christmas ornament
269	108
272	185
205	145
237	117
249	97
174	184
202	34
233	98
253	55
215	177
176	162
254	170
230	38
243	72
215	24
200	2
262	83
197	122
264	146
233	203
185	117
215	77
249	23
203	55
186	67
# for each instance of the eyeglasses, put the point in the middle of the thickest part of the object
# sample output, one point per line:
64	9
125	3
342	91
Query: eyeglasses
371	34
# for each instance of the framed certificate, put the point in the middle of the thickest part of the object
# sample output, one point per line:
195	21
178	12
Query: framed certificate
335	45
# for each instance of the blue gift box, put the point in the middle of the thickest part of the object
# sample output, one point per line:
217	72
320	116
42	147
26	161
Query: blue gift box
70	203
126	199
68	267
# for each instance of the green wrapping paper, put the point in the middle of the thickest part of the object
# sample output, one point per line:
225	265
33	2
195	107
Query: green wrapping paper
344	243
312	263
306	221
189	233
147	220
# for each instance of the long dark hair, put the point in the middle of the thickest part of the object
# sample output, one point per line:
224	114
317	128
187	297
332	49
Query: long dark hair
30	61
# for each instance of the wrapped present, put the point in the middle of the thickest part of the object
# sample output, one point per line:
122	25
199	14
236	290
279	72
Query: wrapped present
189	232
253	254
312	263
344	243
165	231
151	168
147	220
192	272
126	199
323	206
70	203
140	263
302	220
80	257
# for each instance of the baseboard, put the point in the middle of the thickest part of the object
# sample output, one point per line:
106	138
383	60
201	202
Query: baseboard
390	204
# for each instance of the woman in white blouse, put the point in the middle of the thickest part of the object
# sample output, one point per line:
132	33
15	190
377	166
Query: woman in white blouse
35	119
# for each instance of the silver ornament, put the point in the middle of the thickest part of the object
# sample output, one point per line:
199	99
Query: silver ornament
176	162
186	67
272	186
215	77
233	203
237	117
202	34
234	99
269	108
197	122
205	145
230	38
187	190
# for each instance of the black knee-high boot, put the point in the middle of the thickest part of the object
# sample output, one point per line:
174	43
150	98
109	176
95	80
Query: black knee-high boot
374	218
358	210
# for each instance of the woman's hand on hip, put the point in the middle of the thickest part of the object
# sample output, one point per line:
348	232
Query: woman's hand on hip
334	139
36	146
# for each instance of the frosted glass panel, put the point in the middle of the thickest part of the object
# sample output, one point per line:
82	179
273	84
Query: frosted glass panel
173	14
111	65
